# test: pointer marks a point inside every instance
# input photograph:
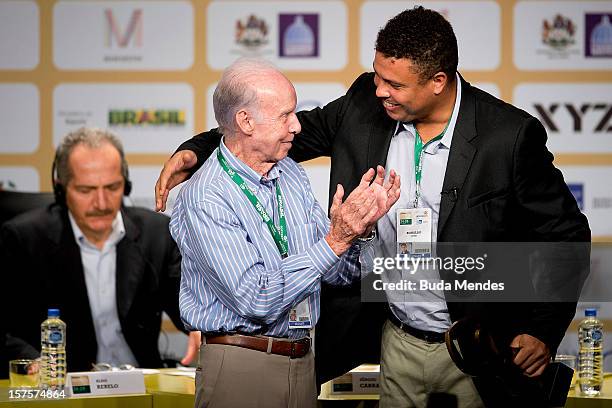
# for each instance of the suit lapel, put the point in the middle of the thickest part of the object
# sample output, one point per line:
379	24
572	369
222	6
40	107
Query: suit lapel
379	141
67	257
66	263
130	267
461	154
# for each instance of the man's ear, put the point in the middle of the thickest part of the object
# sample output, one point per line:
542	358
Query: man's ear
244	121
440	81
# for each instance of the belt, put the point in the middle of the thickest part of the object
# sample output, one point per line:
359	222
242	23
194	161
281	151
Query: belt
271	345
428	336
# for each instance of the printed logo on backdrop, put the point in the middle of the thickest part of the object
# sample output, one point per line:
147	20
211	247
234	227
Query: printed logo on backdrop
599	115
146	117
115	35
129	35
123	38
298	35
590	185
559	37
576	116
602	202
252	34
19	178
577	190
598	35
287	33
74	118
8	185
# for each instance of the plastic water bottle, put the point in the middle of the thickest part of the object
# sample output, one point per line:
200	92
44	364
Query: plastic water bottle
590	359
53	352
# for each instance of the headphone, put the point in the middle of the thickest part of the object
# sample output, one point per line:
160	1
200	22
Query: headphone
59	190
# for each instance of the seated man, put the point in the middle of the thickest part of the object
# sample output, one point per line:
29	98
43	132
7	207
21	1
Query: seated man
256	246
111	270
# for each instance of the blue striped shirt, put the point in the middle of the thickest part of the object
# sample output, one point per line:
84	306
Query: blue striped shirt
233	277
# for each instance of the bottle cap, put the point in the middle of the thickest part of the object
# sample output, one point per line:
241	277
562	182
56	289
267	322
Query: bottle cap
590	312
53	313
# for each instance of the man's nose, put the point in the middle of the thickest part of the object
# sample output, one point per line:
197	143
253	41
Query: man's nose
382	90
101	201
295	127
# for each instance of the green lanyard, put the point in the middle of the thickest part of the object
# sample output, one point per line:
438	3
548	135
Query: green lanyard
418	159
279	234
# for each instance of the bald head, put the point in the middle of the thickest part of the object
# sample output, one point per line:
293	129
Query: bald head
244	85
255	108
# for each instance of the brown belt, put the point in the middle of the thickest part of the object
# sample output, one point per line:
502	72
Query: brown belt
290	348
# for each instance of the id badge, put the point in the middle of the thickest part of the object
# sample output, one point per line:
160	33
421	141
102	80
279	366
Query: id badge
299	317
414	226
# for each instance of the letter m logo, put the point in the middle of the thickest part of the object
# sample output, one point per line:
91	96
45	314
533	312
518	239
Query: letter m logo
122	37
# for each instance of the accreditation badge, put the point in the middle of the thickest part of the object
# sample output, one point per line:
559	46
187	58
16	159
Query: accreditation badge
414	228
300	317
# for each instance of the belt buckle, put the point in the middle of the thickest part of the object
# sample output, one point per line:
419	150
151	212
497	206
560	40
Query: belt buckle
304	342
433	338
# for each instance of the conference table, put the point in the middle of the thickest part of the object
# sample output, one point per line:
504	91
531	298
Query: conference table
164	390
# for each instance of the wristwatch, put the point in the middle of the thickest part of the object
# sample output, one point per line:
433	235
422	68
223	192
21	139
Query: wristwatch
368	238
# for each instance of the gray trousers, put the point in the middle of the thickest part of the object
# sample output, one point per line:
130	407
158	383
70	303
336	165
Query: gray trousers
230	376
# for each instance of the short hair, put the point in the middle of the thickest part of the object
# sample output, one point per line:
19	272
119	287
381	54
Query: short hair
90	137
424	37
236	90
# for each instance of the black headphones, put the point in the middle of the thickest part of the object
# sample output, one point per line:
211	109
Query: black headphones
59	191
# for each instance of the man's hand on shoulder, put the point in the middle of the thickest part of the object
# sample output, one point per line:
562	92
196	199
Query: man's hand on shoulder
531	354
175	171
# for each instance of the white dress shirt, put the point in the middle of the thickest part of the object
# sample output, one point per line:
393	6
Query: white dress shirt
99	266
425	310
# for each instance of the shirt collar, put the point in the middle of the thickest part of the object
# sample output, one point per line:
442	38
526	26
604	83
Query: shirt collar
116	235
247	173
448	135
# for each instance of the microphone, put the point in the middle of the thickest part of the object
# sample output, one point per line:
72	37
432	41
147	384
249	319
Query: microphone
452	192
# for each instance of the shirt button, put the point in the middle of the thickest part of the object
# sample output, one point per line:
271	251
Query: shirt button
413	317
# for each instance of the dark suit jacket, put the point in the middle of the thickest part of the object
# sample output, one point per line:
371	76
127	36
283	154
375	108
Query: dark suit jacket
41	263
507	190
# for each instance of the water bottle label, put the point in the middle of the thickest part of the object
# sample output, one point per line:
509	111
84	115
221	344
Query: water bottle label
55	337
596	335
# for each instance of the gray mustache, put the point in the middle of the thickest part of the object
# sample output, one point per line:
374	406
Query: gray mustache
98	213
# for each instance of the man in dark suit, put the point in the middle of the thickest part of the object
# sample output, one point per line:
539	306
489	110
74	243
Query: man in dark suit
111	270
484	173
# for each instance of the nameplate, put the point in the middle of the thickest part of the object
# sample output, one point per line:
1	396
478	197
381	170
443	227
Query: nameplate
364	379
105	383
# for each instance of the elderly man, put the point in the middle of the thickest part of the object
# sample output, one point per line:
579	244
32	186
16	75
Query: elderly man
111	270
256	246
478	166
